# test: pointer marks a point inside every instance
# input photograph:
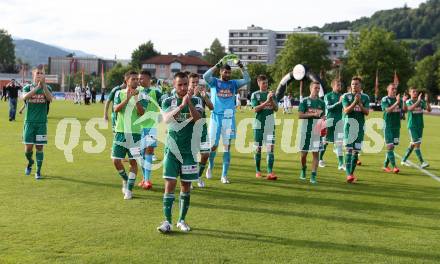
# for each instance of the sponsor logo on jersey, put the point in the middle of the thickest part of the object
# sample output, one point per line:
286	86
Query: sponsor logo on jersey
37	99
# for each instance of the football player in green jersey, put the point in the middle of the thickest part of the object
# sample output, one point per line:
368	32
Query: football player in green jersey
36	95
110	101
126	142
356	105
151	98
391	106
264	104
311	113
335	132
415	106
181	111
205	146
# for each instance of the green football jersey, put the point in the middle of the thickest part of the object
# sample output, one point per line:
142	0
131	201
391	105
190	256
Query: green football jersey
111	97
150	101
36	105
392	119
356	114
180	131
126	119
310	105
333	107
203	105
266	114
415	117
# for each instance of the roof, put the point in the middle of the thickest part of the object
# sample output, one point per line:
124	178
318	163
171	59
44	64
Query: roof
183	59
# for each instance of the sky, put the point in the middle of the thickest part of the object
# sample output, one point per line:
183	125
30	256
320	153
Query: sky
115	28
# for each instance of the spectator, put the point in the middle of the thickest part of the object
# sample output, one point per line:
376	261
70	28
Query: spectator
87	96
12	91
102	96
93	95
3	92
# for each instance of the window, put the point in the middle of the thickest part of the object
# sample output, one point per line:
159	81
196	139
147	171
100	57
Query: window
281	36
148	66
262	49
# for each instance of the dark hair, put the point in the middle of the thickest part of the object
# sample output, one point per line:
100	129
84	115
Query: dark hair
261	77
226	67
357	78
145	72
187	73
180	75
193	75
127	74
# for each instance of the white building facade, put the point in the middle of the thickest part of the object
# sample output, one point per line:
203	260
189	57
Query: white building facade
257	45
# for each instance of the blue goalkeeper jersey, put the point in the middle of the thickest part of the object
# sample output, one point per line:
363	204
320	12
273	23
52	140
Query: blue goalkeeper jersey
223	92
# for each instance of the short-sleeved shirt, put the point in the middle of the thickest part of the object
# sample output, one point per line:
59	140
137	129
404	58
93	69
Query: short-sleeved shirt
333	106
357	113
126	119
415	117
150	101
261	117
310	105
36	105
392	119
181	131
111	96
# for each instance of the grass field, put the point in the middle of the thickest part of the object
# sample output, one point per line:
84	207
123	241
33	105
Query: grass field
76	214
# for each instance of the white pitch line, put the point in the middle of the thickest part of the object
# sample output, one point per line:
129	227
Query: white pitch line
432	175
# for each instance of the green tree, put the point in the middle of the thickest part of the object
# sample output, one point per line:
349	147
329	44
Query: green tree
377	49
115	76
255	69
427	75
142	53
90	80
7	52
214	53
309	50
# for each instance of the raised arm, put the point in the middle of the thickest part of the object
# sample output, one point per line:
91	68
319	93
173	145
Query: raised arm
208	75
416	104
195	114
246	79
29	94
348	108
47	93
207	100
393	106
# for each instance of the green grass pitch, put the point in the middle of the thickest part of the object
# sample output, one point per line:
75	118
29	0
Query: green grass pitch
77	214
